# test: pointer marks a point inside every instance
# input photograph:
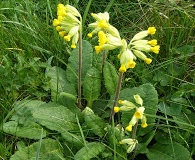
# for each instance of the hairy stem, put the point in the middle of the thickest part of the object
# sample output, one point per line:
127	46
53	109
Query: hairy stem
133	137
116	94
79	67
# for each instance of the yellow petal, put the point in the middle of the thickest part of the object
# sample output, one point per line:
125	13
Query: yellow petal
151	30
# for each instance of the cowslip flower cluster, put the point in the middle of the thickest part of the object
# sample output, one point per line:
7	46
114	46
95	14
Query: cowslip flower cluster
108	36
136	48
109	39
68	23
138	45
138	114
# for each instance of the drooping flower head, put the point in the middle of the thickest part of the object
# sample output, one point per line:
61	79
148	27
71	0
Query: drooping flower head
138	114
138	45
102	23
126	58
68	23
107	42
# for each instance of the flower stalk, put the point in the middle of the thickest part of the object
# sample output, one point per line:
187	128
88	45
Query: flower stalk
80	68
116	95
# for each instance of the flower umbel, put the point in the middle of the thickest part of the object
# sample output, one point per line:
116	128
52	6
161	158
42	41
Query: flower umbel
138	114
68	23
138	45
107	42
102	23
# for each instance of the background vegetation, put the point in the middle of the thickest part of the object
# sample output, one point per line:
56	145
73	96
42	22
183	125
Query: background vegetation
29	43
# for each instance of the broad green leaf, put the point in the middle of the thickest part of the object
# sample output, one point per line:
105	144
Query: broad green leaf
49	150
110	78
59	83
94	122
55	117
185	51
74	139
91	150
72	68
150	100
22	123
162	77
31	130
22	110
92	85
170	110
174	151
185	121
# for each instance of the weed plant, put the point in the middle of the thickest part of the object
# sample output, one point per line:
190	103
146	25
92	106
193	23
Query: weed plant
35	63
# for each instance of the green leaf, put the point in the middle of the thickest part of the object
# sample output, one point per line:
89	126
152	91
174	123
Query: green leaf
185	51
31	130
74	139
162	77
55	117
174	151
49	150
170	110
110	78
59	83
22	123
92	85
91	150
95	123
150	101
72	68
22	110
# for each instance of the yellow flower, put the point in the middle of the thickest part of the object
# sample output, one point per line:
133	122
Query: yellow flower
139	46
155	49
102	23
143	120
102	38
148	60
68	23
116	109
107	42
139	112
126	59
143	34
126	106
151	30
129	128
56	22
62	33
152	42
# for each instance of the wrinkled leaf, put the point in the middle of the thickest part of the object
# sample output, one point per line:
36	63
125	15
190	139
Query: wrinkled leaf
72	68
31	131
92	84
59	83
55	117
94	122
170	110
91	150
49	150
174	151
110	78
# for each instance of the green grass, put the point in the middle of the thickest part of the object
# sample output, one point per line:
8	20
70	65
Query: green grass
29	43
